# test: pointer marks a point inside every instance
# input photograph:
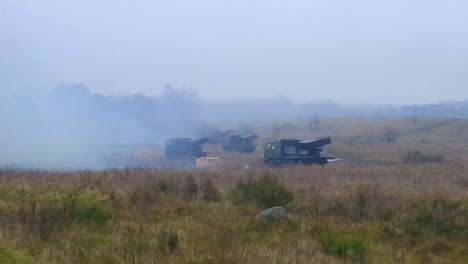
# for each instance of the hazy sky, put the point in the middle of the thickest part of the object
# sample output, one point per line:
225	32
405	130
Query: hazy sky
352	51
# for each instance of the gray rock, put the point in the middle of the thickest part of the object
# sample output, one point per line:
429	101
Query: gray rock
273	214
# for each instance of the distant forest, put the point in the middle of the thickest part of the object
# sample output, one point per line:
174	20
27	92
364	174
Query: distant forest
184	107
284	108
457	109
182	111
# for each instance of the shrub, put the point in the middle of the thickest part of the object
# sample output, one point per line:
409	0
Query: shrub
361	201
345	248
145	197
418	157
49	216
163	187
168	240
314	123
42	217
209	192
440	216
190	188
88	207
390	134
266	192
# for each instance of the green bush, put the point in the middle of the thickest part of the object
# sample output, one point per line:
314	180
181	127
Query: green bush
419	157
190	188
168	240
49	218
163	187
362	202
266	192
42	216
390	134
88	207
440	216
209	191
345	248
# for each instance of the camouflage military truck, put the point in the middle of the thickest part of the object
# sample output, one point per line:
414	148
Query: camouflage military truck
289	152
240	143
185	148
218	136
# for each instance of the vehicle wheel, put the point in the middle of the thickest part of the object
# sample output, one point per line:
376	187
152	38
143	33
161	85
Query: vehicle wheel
299	163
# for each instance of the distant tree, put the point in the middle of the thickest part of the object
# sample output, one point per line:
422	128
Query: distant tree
416	156
276	129
317	121
314	123
390	134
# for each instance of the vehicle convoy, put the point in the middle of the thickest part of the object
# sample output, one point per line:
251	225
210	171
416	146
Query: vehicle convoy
218	136
296	152
185	148
240	143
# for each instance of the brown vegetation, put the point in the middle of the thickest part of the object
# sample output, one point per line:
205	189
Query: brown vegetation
390	213
371	207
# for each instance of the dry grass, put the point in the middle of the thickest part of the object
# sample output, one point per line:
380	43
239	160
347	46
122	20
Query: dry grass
371	208
372	203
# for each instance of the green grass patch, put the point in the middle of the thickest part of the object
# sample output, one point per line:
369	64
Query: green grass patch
10	256
168	241
88	207
264	193
440	216
345	248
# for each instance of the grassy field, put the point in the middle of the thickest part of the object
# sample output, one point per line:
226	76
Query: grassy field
370	208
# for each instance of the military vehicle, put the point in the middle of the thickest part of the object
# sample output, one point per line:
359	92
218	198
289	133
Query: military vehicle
289	152
218	136
185	148
240	143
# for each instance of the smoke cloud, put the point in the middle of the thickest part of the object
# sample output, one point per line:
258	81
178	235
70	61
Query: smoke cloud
70	127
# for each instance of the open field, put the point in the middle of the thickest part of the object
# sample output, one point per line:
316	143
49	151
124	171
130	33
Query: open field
364	140
371	208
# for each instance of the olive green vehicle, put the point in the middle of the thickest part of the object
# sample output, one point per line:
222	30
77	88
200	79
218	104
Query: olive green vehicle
240	143
289	152
185	148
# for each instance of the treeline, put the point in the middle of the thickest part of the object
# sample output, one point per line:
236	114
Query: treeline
284	108
457	109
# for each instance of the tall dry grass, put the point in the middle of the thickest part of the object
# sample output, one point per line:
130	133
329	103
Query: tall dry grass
369	208
396	212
